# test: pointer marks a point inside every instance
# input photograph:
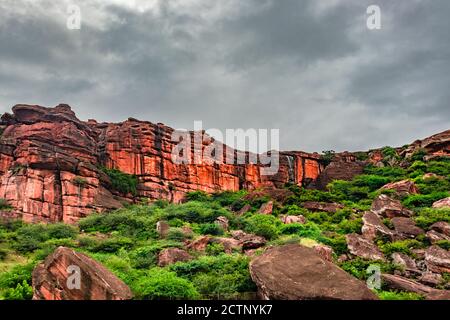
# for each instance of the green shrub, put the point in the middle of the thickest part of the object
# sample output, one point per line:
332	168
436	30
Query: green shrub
327	157
4	205
79	181
444	244
358	267
419	155
350	226
122	182
136	221
176	234
263	225
426	217
112	245
402	246
373	182
220	286
17	275
214	249
421	200
337	242
346	190
212	229
200	196
396	295
23	291
195	211
162	284
393	173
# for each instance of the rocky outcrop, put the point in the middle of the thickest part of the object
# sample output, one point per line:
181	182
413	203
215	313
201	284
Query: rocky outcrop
172	255
437	259
389	208
403	187
404	284
406	227
294	272
435	146
342	168
293	219
443	203
363	248
70	275
373	226
50	160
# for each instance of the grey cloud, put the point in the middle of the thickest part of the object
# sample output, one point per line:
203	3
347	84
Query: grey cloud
317	74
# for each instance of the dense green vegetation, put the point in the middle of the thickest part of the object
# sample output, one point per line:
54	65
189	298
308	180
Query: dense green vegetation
127	243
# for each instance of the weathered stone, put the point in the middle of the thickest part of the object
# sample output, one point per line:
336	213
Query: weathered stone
324	251
431	279
343	168
362	247
388	207
252	242
172	255
199	244
437	145
443	203
407	263
403	187
310	277
404	284
322	206
435	236
293	219
229	244
406	227
246	208
162	228
441	227
53	279
374	226
437	259
266	208
222	222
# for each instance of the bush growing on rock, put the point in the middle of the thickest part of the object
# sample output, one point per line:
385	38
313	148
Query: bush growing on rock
426	217
122	182
162	284
211	229
263	225
423	200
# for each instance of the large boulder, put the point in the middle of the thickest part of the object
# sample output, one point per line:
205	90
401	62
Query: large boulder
373	226
441	227
406	227
390	208
443	203
437	259
294	272
403	187
172	255
70	275
363	248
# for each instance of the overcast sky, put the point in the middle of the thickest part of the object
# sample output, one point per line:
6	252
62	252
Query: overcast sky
311	68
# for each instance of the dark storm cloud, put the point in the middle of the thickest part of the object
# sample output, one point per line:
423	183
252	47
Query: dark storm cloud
310	68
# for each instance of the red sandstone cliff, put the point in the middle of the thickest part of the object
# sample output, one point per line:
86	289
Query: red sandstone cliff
45	152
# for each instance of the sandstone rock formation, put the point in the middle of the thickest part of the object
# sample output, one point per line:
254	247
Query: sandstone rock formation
443	203
49	164
403	187
294	272
172	255
55	279
404	284
362	247
389	208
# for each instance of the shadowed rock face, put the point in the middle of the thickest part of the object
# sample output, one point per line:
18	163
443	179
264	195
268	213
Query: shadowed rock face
52	279
294	272
46	152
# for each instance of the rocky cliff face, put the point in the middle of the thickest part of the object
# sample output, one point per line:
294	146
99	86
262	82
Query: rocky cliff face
50	160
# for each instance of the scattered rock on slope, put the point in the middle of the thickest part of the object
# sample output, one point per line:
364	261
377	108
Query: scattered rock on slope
294	272
56	279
